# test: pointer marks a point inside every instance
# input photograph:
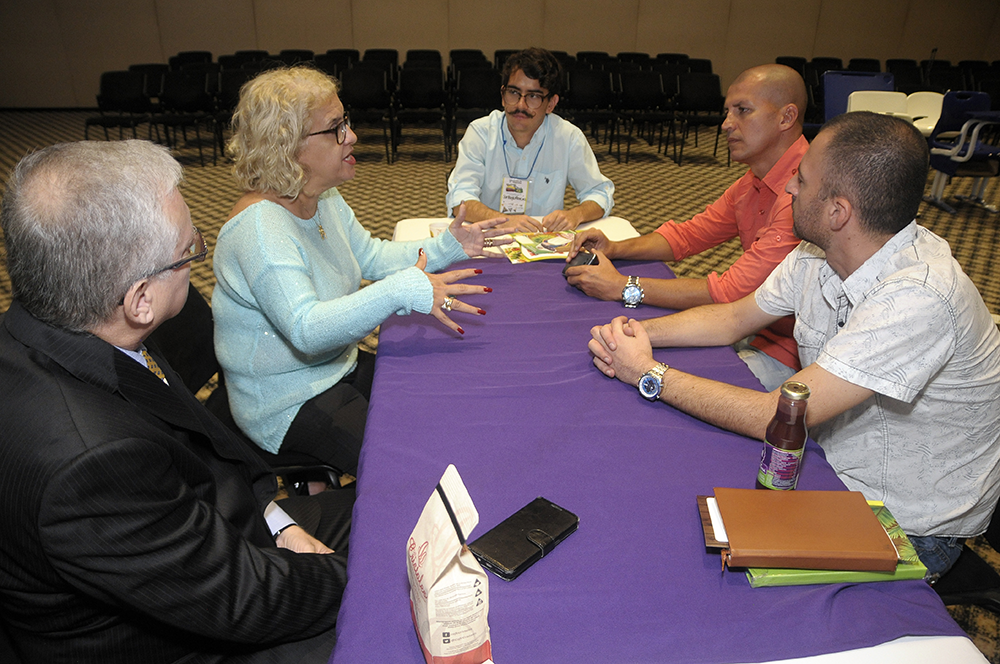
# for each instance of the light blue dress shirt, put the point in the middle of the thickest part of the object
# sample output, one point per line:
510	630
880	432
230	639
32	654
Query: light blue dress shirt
557	154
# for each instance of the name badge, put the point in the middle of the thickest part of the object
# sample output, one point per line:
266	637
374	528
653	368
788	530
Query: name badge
514	195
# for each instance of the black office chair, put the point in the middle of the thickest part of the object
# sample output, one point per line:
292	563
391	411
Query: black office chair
178	61
589	98
122	102
422	58
643	103
500	57
972	580
421	100
344	57
466	54
699	65
864	64
477	93
293	56
367	98
699	103
186	103
795	62
187	342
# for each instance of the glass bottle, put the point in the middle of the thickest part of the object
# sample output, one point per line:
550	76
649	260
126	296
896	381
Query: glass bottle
785	440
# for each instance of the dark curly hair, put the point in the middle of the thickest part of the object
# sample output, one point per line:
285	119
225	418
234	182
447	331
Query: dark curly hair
537	64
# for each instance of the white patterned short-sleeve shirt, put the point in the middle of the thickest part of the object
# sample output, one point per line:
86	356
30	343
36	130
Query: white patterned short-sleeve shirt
910	326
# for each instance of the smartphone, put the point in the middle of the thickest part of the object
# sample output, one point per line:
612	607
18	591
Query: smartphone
582	258
523	538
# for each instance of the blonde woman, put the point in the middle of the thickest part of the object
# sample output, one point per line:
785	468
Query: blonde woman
288	306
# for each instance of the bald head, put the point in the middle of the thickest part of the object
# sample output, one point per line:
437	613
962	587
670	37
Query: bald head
764	108
777	84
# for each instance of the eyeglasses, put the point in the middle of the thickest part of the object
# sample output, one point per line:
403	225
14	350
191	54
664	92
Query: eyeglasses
511	96
198	250
339	130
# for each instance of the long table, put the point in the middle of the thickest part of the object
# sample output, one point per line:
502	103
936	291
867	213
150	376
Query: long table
519	409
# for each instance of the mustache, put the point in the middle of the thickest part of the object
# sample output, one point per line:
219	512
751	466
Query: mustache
523	114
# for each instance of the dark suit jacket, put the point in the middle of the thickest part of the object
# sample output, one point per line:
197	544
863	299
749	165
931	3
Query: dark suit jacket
132	525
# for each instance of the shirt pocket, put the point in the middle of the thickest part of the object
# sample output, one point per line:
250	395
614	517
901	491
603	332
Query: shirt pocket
546	185
810	342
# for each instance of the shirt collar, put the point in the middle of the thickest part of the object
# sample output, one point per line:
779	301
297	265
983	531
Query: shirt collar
785	167
872	270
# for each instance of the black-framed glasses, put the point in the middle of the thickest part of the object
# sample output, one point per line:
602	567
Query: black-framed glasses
339	130
533	100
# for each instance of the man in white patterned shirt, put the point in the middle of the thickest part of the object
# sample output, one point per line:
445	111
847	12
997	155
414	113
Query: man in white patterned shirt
898	348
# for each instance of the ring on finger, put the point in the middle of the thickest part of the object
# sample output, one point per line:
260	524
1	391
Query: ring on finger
448	301
488	242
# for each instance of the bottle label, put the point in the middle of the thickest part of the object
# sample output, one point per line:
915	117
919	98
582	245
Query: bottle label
779	469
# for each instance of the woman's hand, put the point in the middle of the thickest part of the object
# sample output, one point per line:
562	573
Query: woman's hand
475	237
446	291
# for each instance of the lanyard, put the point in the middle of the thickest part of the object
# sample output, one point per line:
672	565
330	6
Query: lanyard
532	170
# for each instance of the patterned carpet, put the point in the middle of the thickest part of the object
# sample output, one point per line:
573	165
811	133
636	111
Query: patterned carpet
649	190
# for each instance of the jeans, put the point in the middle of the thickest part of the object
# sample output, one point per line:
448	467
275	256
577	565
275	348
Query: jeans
937	554
769	371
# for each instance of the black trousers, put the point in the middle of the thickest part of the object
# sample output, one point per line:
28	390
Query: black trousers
330	427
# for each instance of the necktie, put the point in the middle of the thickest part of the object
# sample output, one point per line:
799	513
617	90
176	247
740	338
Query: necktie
153	366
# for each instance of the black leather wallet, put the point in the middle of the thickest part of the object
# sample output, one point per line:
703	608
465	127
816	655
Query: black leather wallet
524	537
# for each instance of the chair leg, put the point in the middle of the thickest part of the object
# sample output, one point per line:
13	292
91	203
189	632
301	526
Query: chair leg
628	144
937	193
687	129
385	138
197	135
976	195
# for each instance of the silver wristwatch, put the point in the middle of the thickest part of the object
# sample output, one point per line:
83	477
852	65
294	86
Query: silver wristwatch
632	293
651	383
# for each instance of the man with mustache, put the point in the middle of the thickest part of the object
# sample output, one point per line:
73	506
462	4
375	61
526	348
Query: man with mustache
764	110
517	162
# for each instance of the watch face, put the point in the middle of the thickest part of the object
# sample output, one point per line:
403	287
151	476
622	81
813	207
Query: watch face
649	387
632	294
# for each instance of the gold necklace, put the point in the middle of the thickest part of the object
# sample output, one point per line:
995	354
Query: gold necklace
319	225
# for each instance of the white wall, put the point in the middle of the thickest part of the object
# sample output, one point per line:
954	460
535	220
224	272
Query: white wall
52	52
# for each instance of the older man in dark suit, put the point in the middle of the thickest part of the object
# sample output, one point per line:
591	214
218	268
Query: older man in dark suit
137	527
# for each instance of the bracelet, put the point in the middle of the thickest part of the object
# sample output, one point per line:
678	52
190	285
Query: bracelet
283	529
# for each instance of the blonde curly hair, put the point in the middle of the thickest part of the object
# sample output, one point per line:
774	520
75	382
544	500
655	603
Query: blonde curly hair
271	122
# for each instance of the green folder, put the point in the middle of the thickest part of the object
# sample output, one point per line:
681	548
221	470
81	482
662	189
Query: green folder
908	567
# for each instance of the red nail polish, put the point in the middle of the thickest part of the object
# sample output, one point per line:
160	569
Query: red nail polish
461	331
479	271
488	290
421	251
481	312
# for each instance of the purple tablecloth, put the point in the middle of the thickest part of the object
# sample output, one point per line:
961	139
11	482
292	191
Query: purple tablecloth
520	410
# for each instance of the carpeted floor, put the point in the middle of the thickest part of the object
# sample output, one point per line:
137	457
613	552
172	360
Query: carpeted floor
649	190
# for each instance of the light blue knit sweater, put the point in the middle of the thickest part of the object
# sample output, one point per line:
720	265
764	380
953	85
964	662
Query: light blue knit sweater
289	309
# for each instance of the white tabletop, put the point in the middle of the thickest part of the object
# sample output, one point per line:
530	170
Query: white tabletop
615	228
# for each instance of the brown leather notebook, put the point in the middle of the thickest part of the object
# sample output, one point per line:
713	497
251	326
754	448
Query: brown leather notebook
804	530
